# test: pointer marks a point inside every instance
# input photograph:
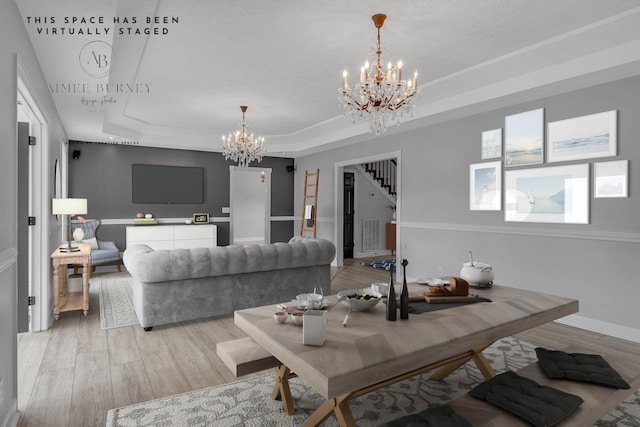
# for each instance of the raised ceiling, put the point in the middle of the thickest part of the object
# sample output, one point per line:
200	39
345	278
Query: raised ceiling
182	88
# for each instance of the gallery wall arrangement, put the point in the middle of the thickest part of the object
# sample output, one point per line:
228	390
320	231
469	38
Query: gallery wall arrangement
548	194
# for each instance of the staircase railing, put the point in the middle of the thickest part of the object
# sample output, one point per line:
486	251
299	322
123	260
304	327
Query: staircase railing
384	172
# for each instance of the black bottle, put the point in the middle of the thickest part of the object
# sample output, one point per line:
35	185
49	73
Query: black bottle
391	297
404	294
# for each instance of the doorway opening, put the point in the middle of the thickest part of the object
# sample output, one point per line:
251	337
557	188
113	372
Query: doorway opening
366	226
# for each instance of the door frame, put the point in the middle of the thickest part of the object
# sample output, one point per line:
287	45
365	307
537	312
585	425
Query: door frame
354	172
233	170
39	235
338	199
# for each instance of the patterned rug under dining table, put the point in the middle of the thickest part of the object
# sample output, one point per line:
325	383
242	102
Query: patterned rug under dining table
372	352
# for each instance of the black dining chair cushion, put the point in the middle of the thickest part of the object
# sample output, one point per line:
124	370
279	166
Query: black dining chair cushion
589	368
540	405
441	416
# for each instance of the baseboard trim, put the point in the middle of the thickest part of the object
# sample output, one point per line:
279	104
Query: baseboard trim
611	236
599	326
371	253
13	416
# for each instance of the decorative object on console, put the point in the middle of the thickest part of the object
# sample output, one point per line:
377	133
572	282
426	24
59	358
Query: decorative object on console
558	194
485	186
201	218
69	207
241	147
584	137
381	97
524	133
145	221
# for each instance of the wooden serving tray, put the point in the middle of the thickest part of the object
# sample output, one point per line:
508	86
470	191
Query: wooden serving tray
443	300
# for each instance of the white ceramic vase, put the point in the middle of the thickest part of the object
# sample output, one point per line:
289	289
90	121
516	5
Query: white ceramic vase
78	234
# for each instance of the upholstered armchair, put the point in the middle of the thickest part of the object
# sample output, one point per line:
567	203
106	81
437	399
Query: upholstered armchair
102	252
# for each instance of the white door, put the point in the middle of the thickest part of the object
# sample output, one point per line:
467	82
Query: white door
250	203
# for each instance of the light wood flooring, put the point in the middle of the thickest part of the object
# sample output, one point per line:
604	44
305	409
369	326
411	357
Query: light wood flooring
72	374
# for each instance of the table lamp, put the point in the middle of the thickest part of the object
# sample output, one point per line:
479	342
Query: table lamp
69	207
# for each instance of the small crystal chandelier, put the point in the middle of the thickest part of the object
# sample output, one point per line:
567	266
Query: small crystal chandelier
241	147
381	96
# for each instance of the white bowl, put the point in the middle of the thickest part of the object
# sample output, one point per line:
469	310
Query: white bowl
360	304
297	318
280	316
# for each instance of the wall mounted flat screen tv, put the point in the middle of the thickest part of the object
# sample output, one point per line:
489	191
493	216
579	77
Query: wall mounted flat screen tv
167	184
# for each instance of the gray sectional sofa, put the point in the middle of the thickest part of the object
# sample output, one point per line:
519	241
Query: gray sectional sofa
185	284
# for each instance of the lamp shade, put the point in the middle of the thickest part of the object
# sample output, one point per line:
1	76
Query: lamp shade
69	206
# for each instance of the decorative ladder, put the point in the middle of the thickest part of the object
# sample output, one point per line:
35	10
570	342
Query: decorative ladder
309	210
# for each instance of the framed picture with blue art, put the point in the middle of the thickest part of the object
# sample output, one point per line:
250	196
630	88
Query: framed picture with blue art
523	138
491	144
558	194
485	186
584	137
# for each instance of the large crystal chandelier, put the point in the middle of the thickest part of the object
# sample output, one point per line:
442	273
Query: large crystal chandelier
241	146
381	96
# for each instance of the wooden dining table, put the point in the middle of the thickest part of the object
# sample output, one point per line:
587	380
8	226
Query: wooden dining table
372	352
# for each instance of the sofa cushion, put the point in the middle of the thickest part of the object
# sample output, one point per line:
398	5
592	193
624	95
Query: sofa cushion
149	266
590	368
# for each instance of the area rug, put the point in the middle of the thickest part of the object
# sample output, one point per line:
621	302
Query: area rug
116	303
249	403
383	264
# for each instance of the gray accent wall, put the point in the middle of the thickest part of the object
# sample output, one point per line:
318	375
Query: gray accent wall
102	174
595	263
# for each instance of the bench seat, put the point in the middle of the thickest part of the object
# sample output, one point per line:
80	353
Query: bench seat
244	356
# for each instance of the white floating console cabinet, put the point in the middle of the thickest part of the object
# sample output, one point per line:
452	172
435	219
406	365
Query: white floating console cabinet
173	236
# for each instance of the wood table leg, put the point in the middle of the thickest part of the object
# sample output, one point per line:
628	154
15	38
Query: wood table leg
56	290
476	354
484	366
339	406
86	273
281	389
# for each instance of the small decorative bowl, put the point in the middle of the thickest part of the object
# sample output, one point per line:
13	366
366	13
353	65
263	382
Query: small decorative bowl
280	316
297	318
360	299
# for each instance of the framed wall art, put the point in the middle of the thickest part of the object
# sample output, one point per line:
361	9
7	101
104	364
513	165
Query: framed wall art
584	137
485	186
491	144
523	138
558	194
611	179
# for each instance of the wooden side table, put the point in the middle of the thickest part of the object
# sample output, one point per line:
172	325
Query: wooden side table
63	300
